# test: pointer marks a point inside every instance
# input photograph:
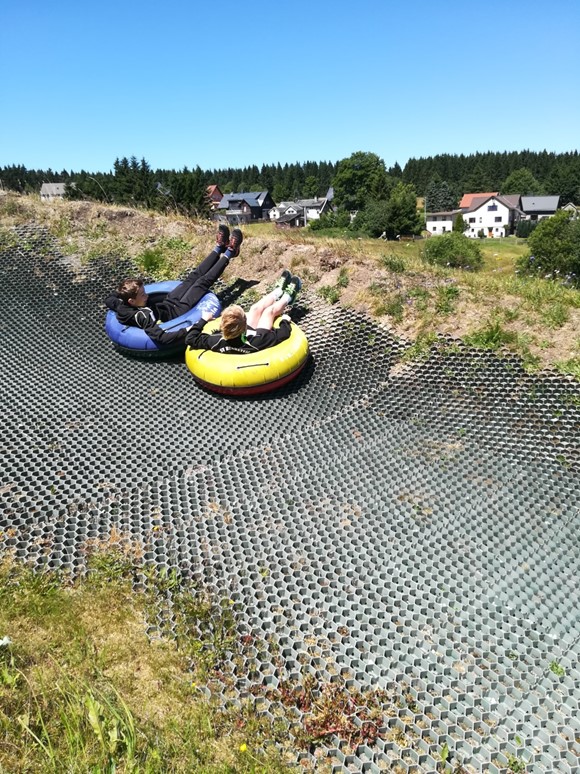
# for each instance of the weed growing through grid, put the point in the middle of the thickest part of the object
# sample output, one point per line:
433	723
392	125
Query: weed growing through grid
557	669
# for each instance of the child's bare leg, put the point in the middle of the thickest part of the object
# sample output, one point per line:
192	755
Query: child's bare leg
256	310
270	313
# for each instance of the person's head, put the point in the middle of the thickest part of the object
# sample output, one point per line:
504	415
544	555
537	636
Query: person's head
233	323
132	292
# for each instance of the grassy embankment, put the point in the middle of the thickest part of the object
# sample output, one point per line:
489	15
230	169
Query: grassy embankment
493	308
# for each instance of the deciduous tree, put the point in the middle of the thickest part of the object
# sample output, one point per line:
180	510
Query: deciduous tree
360	178
521	181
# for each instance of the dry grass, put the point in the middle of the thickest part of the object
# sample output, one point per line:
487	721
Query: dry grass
386	280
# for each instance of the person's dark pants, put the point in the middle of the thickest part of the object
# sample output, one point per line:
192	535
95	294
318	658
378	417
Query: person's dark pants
193	288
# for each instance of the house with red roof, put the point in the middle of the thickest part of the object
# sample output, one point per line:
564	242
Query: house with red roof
467	198
485	214
492	214
214	196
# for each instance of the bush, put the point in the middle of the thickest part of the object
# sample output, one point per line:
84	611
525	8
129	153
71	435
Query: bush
331	220
554	250
525	228
374	219
151	261
453	249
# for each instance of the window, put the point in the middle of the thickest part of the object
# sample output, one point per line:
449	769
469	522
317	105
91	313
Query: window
480	220
497	219
492	207
434	228
472	220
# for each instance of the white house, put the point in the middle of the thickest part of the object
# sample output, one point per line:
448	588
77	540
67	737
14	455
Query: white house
309	209
285	208
573	209
440	222
494	216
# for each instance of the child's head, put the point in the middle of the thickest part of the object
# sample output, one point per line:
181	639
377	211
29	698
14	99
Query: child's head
233	322
132	292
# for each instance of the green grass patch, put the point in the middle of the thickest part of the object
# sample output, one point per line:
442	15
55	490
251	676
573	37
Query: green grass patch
8	239
343	278
421	298
393	306
491	336
159	260
421	348
446	296
82	688
330	293
570	367
555	315
393	263
14	209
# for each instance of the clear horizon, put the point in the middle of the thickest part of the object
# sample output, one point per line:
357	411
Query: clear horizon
227	87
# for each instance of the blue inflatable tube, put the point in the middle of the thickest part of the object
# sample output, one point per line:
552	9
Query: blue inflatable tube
134	341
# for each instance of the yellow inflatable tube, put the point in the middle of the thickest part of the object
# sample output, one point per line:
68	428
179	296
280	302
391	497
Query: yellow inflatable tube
251	373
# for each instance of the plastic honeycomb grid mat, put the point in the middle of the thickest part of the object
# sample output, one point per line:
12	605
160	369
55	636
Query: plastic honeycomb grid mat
407	526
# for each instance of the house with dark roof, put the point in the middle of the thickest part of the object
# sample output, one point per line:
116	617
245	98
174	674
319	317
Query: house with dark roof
290	219
244	207
308	209
539	207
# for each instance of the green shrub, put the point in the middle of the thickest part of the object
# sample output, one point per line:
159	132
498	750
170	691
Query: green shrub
453	249
554	250
331	220
393	263
152	261
525	228
330	293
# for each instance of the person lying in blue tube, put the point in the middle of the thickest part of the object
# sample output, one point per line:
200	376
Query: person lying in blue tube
130	301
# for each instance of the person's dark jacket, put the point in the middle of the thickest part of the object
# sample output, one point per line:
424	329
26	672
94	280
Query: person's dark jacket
253	341
144	317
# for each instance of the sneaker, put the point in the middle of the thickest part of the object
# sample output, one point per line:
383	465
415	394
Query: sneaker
236	240
222	237
285	278
293	288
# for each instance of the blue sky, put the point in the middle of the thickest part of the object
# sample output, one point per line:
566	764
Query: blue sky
230	84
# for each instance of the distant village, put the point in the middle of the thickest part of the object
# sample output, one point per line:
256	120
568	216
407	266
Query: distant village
486	215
